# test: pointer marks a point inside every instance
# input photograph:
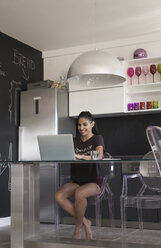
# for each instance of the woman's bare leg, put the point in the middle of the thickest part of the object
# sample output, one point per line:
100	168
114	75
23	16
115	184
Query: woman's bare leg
62	196
81	195
65	191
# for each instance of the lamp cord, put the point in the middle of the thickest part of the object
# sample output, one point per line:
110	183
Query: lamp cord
94	30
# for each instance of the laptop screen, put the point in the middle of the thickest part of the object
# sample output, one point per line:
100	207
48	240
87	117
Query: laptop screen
56	147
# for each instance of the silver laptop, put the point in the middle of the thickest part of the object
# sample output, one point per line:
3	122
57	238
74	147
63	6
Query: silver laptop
56	147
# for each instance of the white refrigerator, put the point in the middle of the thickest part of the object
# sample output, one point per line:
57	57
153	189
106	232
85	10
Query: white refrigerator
44	111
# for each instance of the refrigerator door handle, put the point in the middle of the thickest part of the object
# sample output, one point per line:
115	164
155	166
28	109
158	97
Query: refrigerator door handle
36	99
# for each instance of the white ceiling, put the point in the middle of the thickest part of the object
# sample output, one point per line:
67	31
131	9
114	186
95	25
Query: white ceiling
55	24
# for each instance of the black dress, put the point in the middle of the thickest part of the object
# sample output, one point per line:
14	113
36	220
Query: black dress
85	172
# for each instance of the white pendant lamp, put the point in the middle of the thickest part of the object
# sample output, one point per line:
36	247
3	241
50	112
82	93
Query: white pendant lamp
95	69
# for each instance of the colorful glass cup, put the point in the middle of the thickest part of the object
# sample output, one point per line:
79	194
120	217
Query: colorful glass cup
138	72
155	104
153	69
136	105
149	105
130	106
142	105
130	73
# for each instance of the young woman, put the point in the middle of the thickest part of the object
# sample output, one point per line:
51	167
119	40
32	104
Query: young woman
83	176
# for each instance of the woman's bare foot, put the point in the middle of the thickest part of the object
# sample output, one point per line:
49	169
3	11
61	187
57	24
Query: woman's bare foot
77	233
87	227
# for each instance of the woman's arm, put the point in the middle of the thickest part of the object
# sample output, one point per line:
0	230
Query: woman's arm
100	149
82	156
88	157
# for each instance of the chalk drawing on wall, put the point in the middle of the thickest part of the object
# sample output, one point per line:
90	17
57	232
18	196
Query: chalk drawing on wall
4	165
26	64
9	166
2	72
15	87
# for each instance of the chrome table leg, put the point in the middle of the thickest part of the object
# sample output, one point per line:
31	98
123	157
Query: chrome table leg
25	194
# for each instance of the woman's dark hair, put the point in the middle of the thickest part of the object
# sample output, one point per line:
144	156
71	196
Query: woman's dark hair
87	115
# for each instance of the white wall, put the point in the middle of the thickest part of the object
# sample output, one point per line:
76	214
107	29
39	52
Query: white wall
57	62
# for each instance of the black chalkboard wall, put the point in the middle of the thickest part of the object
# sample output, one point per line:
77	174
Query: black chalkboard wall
19	64
125	135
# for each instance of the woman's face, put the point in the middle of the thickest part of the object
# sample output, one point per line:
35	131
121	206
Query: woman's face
85	126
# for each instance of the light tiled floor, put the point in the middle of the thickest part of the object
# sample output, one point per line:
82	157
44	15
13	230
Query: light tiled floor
106	237
106	234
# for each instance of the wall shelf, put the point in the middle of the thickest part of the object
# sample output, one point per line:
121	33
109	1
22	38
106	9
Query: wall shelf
144	61
144	86
144	111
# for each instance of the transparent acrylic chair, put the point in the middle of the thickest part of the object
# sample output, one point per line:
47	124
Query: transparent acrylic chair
154	137
148	196
105	194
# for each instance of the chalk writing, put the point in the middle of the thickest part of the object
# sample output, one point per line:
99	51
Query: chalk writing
23	62
25	76
2	72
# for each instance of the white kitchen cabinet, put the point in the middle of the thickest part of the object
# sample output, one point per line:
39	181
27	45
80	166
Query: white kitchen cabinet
97	101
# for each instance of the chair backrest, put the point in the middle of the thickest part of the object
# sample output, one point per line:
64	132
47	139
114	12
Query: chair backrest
154	137
148	166
149	170
107	174
110	168
148	175
107	178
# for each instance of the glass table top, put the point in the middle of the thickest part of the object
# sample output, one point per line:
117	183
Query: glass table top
133	159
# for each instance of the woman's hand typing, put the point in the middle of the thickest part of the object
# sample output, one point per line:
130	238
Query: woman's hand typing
82	157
